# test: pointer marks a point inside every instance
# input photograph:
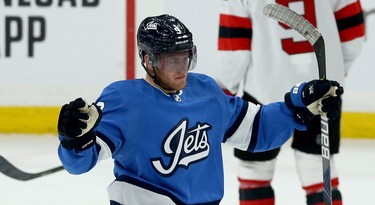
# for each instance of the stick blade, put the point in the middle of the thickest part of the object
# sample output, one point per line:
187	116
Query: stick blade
297	22
284	15
13	172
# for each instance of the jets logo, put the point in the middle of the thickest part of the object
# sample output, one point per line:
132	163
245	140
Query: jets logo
152	25
183	147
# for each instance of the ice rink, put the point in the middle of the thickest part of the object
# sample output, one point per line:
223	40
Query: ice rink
37	153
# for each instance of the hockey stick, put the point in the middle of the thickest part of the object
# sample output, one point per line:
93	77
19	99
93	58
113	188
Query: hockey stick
306	29
13	172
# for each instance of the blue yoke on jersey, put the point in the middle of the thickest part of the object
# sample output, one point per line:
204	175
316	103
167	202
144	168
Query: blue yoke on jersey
171	144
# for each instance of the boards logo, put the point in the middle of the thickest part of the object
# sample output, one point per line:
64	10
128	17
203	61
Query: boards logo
31	29
183	146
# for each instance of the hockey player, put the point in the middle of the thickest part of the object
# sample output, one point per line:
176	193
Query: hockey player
268	57
164	132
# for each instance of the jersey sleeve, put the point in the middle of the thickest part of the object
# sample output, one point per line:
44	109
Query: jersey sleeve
78	162
350	23
107	136
260	128
273	126
234	45
114	110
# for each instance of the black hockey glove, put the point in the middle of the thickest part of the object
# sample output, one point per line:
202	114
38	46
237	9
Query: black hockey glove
77	121
315	97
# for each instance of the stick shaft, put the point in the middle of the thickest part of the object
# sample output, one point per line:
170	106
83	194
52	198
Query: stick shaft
306	29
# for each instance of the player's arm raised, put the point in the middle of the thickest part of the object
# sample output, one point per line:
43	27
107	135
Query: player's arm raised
275	122
76	127
314	97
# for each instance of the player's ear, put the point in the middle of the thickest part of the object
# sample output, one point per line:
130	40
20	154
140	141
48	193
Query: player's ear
148	63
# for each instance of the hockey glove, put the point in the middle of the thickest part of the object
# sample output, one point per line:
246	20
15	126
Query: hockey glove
76	124
312	98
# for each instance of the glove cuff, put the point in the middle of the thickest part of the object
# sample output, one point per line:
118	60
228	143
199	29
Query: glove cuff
80	143
301	114
296	95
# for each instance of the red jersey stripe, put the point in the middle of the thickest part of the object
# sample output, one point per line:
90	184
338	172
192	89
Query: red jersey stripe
352	33
233	44
269	201
235	21
350	10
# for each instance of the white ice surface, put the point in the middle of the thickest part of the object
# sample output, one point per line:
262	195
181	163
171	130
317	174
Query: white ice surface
355	163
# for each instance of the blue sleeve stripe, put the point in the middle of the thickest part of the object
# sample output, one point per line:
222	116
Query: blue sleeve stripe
254	133
238	121
107	141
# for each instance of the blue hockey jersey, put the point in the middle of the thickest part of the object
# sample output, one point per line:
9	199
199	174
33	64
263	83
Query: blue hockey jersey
167	148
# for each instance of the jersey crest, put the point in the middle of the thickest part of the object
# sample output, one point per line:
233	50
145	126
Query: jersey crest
183	147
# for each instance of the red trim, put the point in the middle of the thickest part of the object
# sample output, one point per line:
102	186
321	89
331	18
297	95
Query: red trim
352	33
130	39
258	202
349	10
318	187
252	184
228	92
334	202
233	44
234	21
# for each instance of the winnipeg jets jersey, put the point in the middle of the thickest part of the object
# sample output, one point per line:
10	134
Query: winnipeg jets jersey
167	148
269	56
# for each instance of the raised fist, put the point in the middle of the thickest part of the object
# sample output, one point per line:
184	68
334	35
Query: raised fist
76	124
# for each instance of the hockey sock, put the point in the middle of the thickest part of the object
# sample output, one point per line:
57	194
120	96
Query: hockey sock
254	192
315	194
317	198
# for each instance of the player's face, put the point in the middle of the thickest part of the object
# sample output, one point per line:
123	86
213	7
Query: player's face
172	70
171	62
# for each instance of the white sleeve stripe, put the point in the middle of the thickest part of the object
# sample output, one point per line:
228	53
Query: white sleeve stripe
105	151
242	136
125	193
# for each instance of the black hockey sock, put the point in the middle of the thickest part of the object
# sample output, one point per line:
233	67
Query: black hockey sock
317	198
257	196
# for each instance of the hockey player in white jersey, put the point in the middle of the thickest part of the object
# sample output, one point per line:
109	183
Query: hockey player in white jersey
268	56
165	131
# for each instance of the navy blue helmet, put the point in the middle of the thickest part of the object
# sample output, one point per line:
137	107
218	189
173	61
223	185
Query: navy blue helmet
163	34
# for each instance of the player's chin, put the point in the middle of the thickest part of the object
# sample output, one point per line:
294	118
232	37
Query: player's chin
180	85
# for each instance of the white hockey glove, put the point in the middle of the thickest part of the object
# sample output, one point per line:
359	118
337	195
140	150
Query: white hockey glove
312	98
76	123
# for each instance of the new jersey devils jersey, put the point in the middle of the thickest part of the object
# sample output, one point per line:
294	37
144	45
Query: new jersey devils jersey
269	56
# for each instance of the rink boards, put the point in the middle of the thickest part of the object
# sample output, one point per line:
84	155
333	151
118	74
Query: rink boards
43	120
